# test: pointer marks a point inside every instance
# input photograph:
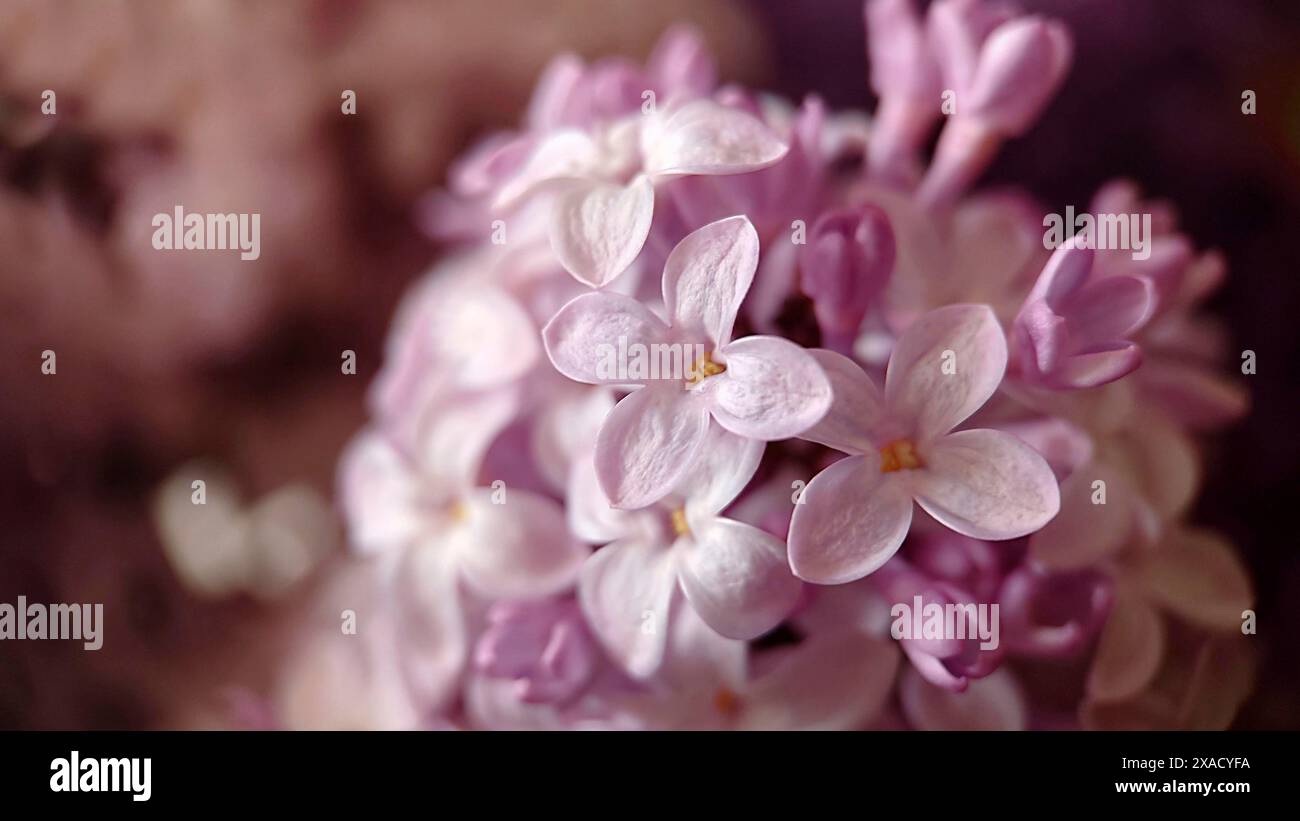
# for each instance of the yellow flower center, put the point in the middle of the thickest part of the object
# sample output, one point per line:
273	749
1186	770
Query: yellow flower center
679	522
899	455
703	369
726	702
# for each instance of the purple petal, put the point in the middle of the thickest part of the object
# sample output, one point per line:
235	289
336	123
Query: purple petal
681	65
648	443
772	389
850	520
519	548
917	386
433	646
1088	370
986	484
553	93
378	490
1109	309
625	591
840	682
1021	65
725	464
703	137
564	155
707	276
857	406
455	437
591	517
598	229
994	702
737	578
1063	276
583	339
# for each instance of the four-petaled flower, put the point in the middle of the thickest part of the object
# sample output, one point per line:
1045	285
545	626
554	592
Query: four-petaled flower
983	483
734	575
604	180
1071	331
760	387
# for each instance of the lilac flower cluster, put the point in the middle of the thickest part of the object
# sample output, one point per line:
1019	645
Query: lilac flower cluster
723	542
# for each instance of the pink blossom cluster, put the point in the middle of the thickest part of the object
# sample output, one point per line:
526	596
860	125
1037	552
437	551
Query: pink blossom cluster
898	393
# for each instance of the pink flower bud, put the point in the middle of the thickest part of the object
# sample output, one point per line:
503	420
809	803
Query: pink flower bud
1020	67
848	260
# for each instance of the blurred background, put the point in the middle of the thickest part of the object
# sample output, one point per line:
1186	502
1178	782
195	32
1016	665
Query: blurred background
166	359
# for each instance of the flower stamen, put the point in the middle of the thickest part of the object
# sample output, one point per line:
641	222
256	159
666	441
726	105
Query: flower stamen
726	702
899	455
680	527
703	369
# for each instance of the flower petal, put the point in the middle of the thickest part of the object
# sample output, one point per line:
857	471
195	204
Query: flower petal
454	438
625	590
565	154
480	334
1129	651
994	702
583	339
707	276
1098	367
681	63
737	578
826	683
986	484
648	443
1084	533
598	229
517	548
377	489
920	386
725	464
857	406
1109	309
1198	577
591	517
703	137
850	519
564	431
772	389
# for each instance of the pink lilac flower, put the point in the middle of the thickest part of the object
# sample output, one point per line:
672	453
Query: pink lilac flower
1072	331
451	335
947	662
1021	63
734	575
421	517
1050	454
995	702
1052	615
427	504
1192	575
845	266
982	483
762	387
603	183
543	647
837	681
